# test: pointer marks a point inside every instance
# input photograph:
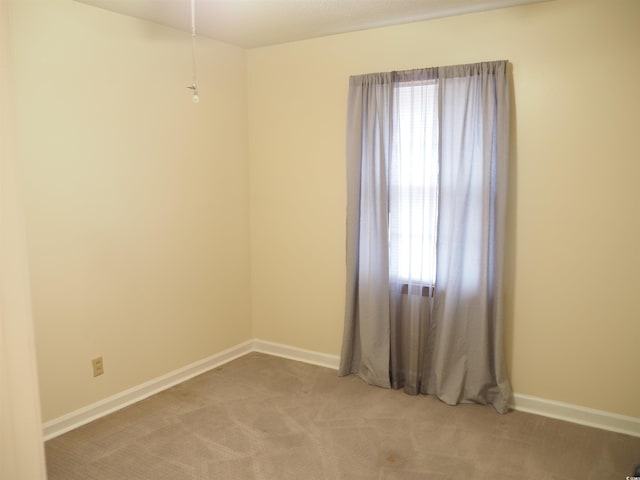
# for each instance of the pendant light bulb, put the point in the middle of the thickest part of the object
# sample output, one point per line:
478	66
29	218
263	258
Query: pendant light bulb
194	88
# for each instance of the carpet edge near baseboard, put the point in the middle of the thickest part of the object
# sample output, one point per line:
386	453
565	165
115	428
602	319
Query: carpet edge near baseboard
84	415
521	402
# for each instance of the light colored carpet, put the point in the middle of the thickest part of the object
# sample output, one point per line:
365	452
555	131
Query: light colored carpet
267	418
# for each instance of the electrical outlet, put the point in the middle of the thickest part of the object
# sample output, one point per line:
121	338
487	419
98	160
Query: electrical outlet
98	367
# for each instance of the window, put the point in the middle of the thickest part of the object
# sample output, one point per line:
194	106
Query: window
427	153
413	183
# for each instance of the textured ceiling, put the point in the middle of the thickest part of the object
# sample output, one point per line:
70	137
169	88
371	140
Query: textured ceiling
256	23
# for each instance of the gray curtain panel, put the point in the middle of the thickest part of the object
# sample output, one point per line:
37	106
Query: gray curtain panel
438	334
366	346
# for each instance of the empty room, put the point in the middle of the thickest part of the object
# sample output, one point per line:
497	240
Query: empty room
319	239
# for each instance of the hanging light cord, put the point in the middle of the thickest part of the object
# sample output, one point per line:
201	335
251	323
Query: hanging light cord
194	85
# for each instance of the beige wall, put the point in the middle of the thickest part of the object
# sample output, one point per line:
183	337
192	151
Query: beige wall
136	199
138	202
573	319
21	448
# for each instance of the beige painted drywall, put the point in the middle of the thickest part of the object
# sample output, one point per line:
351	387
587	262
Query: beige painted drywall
137	202
573	316
136	199
21	447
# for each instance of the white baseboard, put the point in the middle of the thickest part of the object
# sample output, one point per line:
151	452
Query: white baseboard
82	416
577	414
294	353
524	403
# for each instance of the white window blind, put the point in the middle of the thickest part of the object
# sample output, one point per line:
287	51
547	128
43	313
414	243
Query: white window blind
413	183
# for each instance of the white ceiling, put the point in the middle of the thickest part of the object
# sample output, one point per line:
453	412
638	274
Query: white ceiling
256	23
